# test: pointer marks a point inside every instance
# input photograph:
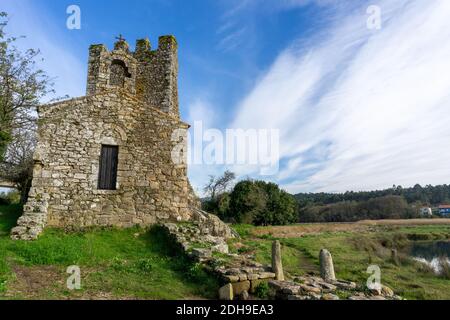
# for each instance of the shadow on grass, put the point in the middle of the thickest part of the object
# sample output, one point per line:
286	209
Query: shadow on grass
8	217
160	243
151	266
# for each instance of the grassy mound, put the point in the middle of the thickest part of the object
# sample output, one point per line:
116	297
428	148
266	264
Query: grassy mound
115	264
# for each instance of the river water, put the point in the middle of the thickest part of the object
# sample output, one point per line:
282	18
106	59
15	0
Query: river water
432	253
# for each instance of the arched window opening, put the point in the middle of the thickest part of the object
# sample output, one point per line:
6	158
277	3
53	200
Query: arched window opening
118	73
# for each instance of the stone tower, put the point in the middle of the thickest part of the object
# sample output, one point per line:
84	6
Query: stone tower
151	75
107	158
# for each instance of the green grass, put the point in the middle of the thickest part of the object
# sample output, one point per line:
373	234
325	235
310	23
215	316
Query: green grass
139	263
353	252
118	263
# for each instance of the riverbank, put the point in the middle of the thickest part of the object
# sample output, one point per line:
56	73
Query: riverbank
354	247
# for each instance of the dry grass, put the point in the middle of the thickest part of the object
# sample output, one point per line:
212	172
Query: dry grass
404	222
354	251
299	230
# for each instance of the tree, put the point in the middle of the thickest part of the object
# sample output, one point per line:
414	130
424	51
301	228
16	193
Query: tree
17	166
218	185
247	200
218	198
218	206
5	138
261	203
22	86
280	209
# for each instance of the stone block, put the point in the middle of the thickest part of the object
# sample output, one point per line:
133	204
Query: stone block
230	278
255	283
239	287
277	266
326	265
267	275
226	292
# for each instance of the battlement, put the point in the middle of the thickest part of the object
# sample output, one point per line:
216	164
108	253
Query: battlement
143	46
165	44
151	75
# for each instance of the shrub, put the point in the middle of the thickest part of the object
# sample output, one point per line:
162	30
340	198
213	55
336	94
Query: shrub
194	271
118	264
144	265
218	205
262	290
261	203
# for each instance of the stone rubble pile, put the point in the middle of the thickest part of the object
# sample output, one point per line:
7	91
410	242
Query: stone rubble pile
33	221
205	241
311	287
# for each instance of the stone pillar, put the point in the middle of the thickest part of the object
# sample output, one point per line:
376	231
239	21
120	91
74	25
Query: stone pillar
277	266
326	265
394	256
226	292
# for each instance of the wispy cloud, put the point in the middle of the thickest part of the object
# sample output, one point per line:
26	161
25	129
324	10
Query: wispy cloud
231	40
237	7
368	108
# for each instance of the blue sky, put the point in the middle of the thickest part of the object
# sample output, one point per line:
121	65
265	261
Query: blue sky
357	108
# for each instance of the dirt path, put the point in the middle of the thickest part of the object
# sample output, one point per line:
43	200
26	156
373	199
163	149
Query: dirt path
34	282
49	282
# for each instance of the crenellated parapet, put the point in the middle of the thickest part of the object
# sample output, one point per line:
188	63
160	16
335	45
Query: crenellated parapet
151	75
157	76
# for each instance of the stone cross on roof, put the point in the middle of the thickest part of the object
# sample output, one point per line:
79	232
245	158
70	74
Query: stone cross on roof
120	38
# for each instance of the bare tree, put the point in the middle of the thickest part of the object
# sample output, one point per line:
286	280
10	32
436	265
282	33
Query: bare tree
218	185
17	166
22	86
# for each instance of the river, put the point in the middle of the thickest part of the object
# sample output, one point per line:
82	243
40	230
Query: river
432	253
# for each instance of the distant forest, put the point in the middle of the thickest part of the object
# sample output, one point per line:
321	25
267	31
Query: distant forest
392	203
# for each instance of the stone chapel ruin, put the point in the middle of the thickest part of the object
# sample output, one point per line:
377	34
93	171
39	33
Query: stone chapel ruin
104	159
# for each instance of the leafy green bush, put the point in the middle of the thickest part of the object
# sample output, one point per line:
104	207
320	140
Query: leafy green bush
261	203
218	205
11	197
2	284
144	265
5	138
195	271
118	264
262	290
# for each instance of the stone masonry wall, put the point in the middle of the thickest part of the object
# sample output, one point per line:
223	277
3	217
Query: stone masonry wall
150	187
153	74
131	102
100	61
157	73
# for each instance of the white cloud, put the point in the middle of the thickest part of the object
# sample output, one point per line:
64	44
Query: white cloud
269	6
376	103
202	116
